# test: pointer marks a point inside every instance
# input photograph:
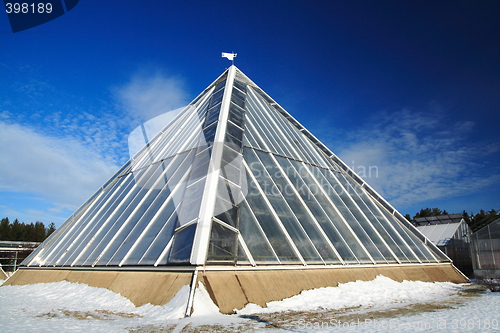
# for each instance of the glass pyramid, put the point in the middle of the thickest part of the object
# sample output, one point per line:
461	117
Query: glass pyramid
234	180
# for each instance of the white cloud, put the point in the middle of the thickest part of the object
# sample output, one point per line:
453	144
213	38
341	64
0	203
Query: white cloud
62	170
149	95
411	157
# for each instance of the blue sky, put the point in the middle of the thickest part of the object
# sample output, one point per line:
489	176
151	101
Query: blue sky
407	90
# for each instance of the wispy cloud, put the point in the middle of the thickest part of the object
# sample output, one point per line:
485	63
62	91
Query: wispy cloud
151	93
62	170
410	157
56	153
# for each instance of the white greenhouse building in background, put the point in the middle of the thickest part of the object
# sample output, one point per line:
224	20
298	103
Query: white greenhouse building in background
486	251
451	234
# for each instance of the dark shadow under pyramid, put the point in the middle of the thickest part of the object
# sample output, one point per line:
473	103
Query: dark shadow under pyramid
234	182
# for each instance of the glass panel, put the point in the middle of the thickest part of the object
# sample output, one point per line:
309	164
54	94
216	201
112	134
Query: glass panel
109	230
312	197
191	202
236	118
290	136
102	224
333	208
265	132
309	150
151	213
161	230
234	131
216	98
263	95
212	115
228	191
251	138
223	244
411	241
254	237
286	216
128	224
369	223
200	166
242	257
404	254
182	245
237	111
129	236
169	146
233	142
160	233
238	98
275	125
307	222
240	85
347	208
220	85
56	252
231	173
226	212
209	133
268	224
93	226
259	131
229	155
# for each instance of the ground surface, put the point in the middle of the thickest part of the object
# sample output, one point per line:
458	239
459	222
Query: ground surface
380	305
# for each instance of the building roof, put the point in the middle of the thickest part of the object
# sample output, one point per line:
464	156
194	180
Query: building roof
489	231
442	219
439	234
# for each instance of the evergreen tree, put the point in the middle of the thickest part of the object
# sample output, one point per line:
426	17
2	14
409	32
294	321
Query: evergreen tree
482	218
39	232
51	228
4	229
16	231
24	232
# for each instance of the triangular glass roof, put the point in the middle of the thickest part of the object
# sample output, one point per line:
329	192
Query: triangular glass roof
234	180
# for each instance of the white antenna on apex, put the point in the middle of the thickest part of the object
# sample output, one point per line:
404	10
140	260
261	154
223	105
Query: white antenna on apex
230	56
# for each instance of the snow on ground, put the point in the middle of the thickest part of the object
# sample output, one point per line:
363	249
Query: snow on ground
381	291
74	307
380	305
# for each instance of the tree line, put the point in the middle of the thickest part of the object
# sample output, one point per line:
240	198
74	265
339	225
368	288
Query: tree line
24	232
475	221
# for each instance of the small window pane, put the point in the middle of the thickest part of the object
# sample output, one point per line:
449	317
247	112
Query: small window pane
182	245
226	212
240	85
223	244
235	131
228	191
233	142
209	133
212	116
238	98
220	85
216	98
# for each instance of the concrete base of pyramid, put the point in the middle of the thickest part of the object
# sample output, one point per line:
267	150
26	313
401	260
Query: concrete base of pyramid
157	288
232	288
